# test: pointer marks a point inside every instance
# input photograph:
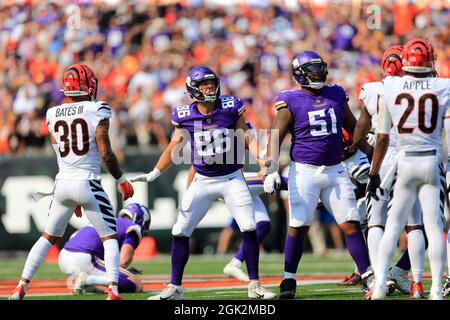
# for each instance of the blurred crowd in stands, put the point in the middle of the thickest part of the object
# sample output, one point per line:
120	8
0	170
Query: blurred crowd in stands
141	52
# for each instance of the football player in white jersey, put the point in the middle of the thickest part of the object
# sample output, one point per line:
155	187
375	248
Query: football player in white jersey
416	105
391	65
79	133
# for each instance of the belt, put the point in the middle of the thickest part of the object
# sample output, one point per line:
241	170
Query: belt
420	153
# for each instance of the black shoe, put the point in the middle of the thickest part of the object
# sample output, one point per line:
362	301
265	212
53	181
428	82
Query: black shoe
287	288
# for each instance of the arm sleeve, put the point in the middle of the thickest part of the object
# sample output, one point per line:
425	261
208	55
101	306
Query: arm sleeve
47	120
384	120
103	111
363	95
132	238
238	107
175	119
280	102
343	93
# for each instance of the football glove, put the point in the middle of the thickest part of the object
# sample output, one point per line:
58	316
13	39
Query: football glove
373	185
125	188
272	182
371	139
147	177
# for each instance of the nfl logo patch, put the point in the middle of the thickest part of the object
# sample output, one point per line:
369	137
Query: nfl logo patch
208	120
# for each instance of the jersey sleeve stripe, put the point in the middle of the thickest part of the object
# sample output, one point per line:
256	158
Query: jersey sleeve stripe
241	111
176	124
104	108
281	106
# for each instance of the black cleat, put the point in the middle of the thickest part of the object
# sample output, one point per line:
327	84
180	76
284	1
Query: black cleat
287	288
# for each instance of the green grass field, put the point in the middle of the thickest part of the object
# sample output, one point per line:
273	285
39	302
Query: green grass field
270	265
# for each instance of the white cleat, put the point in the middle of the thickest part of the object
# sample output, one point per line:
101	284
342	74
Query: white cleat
172	292
80	285
436	295
379	292
257	291
234	271
400	277
18	294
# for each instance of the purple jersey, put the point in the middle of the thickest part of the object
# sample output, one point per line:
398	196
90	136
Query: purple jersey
317	124
215	151
87	239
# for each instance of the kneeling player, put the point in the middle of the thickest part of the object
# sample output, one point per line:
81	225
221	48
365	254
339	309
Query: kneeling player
82	256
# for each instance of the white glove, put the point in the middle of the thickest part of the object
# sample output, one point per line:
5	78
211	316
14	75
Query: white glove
147	177
272	182
371	139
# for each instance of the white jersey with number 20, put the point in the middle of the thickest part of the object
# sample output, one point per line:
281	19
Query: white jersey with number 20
416	108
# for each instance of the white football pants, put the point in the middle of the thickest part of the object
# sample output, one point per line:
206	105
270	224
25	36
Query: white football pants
203	190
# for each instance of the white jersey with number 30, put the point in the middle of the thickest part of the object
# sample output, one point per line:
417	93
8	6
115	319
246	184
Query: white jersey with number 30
73	126
416	107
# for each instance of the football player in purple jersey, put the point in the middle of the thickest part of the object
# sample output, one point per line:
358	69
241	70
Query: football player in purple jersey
211	123
83	254
315	115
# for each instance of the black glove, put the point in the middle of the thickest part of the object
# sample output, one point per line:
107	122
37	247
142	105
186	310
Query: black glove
134	270
373	185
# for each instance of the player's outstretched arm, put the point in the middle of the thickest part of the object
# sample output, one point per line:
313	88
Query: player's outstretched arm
110	160
165	160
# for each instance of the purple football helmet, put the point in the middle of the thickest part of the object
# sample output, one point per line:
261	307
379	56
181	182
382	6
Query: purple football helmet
138	213
195	77
309	70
